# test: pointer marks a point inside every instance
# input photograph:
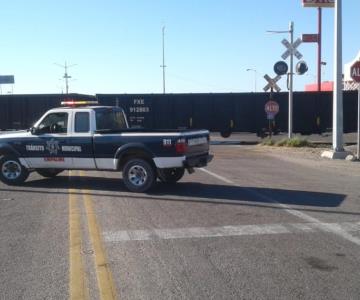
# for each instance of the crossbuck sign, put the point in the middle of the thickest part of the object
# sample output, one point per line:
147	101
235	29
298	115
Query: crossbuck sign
272	83
291	49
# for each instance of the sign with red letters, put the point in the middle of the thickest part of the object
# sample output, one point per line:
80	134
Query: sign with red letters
355	71
318	3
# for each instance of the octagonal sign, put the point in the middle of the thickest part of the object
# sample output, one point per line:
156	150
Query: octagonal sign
355	71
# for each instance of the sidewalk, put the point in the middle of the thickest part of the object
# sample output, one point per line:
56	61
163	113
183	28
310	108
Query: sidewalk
253	139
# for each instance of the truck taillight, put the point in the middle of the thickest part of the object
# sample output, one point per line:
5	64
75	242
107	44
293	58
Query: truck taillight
181	146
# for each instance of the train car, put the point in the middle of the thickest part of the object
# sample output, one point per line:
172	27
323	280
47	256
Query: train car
233	112
219	112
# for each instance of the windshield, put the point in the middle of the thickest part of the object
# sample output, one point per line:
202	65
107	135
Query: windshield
110	119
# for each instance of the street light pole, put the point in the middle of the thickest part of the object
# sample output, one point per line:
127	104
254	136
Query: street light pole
255	74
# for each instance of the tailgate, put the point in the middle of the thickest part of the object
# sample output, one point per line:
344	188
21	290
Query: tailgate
197	142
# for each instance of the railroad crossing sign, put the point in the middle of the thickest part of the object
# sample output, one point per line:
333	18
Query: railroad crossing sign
291	49
271	109
272	83
355	71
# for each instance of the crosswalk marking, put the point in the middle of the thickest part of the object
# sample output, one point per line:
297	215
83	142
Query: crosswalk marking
225	231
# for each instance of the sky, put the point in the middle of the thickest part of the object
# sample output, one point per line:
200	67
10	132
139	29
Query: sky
115	46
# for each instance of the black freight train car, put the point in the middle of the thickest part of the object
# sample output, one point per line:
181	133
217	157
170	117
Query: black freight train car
223	112
232	112
21	111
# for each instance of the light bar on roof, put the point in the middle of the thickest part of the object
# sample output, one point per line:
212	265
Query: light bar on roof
78	103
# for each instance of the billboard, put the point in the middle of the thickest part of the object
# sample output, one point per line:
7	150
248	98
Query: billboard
7	79
318	3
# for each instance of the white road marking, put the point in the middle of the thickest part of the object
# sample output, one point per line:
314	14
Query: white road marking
327	227
218	176
225	231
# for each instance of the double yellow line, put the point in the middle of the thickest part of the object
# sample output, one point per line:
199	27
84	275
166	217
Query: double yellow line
78	280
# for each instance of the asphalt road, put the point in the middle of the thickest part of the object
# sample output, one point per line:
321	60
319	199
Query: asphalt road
255	224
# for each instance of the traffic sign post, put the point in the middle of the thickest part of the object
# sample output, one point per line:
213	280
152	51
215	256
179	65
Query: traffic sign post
291	51
355	74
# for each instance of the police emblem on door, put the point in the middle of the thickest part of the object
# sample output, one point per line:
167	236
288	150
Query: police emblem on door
52	146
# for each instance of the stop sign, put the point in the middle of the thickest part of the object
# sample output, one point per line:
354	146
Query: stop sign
355	71
271	107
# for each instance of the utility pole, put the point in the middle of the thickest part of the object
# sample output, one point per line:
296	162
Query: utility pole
163	57
66	75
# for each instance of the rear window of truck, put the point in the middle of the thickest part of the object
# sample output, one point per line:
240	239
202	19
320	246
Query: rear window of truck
110	119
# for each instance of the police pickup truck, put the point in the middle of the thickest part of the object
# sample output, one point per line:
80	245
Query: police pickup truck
84	136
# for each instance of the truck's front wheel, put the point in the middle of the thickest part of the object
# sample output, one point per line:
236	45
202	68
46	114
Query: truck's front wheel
11	170
171	175
138	175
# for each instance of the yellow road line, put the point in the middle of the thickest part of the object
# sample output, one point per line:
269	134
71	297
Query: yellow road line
77	275
103	272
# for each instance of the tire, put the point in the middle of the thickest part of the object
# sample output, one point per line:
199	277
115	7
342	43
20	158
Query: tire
171	175
49	173
12	172
225	133
138	175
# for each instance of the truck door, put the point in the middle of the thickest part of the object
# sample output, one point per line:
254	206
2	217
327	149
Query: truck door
80	142
44	150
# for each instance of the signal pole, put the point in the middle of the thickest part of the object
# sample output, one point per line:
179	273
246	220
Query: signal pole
66	75
291	82
290	78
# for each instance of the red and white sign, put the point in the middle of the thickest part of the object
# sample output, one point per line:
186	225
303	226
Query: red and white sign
318	3
271	109
355	71
310	38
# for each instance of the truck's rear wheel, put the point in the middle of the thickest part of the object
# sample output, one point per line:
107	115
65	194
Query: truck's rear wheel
49	173
138	175
11	170
171	175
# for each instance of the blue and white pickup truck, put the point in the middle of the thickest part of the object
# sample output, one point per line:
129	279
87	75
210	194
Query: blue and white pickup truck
85	136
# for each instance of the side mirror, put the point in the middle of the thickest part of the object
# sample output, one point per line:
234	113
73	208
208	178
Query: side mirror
34	130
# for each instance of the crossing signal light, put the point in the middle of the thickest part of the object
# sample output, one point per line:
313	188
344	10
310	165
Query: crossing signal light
301	67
